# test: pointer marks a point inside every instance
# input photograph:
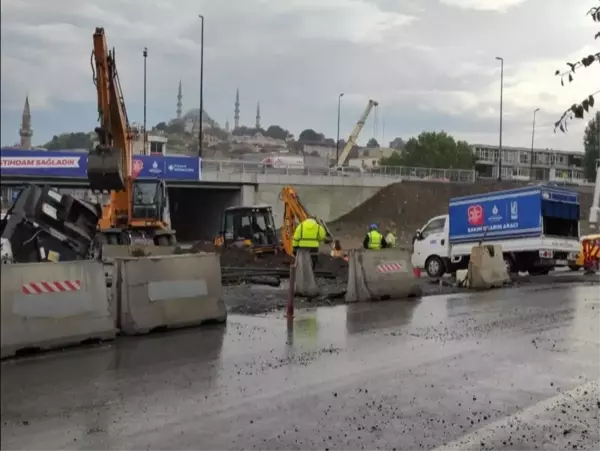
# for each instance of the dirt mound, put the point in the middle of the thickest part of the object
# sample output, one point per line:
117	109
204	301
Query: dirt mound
407	205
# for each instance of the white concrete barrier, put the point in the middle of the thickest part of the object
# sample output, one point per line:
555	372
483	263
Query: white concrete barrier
49	305
306	284
487	268
382	274
167	291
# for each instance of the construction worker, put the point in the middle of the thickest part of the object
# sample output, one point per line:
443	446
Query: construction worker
374	239
390	238
309	234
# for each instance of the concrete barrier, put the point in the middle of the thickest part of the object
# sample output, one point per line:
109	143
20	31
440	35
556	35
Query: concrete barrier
382	274
112	251
167	291
487	268
306	284
49	305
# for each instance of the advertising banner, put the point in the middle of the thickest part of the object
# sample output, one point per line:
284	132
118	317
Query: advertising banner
182	168
42	163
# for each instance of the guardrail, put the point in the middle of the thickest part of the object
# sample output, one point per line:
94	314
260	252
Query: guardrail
394	172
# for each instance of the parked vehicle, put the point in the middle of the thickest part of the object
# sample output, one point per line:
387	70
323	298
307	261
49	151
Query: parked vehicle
283	161
537	227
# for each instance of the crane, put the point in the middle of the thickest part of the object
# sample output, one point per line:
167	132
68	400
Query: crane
138	211
294	211
355	132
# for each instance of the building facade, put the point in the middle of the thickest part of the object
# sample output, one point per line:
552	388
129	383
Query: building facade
548	164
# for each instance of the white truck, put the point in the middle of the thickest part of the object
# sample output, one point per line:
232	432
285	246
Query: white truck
537	227
283	162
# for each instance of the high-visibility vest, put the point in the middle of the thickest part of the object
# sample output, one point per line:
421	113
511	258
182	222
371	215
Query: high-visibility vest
390	239
309	234
374	239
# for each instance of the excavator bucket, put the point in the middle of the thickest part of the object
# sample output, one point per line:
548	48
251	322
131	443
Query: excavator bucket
105	169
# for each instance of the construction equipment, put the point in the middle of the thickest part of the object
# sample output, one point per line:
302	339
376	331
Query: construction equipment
294	211
251	228
354	135
138	211
43	225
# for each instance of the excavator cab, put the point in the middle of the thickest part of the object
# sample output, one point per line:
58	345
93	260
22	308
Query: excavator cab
149	200
248	227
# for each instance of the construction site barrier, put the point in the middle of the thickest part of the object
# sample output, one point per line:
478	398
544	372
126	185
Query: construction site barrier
306	284
486	267
169	291
50	305
112	251
380	274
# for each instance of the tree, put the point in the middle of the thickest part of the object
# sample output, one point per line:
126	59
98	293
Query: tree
591	144
310	135
372	144
175	128
578	110
78	140
216	132
277	132
397	143
434	150
161	126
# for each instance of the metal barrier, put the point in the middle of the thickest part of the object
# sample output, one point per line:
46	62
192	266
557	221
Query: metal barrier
49	305
393	172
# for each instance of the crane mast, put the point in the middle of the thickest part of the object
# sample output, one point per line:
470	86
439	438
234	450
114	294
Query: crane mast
356	132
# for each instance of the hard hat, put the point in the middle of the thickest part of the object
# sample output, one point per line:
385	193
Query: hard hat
373	226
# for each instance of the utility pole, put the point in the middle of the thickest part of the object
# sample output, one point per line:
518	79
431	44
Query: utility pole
146	151
532	141
200	137
501	101
337	141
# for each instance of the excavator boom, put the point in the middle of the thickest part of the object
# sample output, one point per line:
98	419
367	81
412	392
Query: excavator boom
294	212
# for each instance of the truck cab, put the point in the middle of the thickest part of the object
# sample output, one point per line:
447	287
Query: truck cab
431	247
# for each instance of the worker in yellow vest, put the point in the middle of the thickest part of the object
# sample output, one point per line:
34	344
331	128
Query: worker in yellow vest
309	234
390	238
374	239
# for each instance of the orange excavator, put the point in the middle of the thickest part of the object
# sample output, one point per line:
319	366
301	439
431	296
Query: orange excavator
294	213
138	210
253	227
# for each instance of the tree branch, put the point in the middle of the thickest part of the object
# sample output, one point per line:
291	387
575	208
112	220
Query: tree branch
576	111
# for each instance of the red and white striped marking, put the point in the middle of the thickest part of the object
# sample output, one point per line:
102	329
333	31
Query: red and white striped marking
57	286
390	267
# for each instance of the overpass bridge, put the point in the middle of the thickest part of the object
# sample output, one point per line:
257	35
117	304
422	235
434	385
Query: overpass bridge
200	190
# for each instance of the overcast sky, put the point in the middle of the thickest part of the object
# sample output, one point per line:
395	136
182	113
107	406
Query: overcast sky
430	63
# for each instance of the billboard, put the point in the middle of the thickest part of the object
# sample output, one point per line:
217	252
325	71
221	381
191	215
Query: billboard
41	163
491	216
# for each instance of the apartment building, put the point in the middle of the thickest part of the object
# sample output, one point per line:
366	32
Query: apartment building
548	164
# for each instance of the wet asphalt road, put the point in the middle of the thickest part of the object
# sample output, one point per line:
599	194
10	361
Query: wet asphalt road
507	369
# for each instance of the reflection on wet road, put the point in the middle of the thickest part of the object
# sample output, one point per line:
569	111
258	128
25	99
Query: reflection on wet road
486	370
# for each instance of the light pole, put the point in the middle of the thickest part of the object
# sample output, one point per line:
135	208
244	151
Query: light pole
145	53
532	141
501	100
201	83
337	142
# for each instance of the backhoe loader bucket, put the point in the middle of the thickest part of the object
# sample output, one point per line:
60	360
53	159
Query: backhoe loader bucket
105	169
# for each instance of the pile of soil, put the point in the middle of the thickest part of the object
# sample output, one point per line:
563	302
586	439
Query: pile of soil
406	206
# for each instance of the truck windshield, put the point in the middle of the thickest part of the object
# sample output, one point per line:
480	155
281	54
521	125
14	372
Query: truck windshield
560	219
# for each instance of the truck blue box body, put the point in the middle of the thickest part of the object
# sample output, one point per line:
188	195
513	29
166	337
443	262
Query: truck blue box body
510	214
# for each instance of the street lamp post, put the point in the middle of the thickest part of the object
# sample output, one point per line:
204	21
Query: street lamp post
145	53
532	141
337	142
501	101
201	83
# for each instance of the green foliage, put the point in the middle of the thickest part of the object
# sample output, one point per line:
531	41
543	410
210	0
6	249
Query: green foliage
372	144
277	132
311	135
215	131
78	140
591	144
247	131
433	150
397	143
578	110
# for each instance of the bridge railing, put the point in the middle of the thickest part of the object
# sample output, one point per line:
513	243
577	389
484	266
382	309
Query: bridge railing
395	172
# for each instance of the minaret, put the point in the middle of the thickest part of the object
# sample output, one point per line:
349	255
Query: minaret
179	101
25	131
236	111
258	115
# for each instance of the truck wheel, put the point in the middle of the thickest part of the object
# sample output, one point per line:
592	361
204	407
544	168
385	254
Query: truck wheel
435	267
539	272
162	240
574	267
511	267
